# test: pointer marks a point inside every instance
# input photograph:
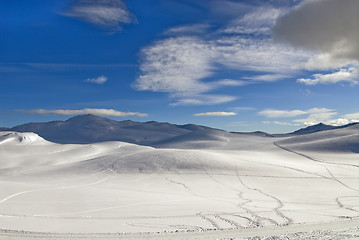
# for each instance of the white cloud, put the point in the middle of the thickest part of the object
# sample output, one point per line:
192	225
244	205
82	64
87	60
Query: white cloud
104	13
188	29
175	65
98	80
313	116
102	112
338	122
272	113
317	115
258	55
319	110
333	122
186	65
268	77
215	114
343	75
352	116
256	22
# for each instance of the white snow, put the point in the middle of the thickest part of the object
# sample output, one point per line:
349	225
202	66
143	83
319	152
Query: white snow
230	181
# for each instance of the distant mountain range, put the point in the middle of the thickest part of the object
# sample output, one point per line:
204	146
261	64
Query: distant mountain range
89	128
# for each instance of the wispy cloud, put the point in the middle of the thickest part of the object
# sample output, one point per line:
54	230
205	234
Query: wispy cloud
102	112
98	80
255	22
312	116
319	113
110	14
215	114
188	29
186	65
352	116
281	123
268	77
341	121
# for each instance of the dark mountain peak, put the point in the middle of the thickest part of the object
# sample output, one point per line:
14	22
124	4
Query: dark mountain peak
90	119
85	117
156	123
314	128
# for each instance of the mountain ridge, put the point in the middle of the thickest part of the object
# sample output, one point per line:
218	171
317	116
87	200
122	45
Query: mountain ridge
84	129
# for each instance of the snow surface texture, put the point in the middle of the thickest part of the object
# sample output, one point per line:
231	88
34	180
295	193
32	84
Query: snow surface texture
198	184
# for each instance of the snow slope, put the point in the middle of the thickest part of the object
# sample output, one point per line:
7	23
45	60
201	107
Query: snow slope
334	140
215	180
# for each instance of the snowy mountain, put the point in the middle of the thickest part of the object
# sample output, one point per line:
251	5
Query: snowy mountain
90	129
320	127
338	139
314	128
85	129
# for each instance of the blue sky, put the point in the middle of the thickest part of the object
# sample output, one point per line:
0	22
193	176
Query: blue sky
273	65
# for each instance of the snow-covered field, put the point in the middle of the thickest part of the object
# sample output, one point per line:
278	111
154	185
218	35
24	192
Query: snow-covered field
242	185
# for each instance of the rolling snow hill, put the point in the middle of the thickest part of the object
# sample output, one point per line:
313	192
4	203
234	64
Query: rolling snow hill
230	181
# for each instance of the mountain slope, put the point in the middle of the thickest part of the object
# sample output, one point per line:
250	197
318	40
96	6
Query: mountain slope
339	139
86	129
319	128
90	129
314	128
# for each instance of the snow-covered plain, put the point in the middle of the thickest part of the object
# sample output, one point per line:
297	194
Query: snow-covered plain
231	182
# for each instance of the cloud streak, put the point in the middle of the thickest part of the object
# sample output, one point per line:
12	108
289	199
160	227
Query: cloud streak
186	66
281	123
215	114
109	14
352	116
98	80
102	112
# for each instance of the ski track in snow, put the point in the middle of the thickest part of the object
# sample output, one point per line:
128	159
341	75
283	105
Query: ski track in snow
53	189
322	163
